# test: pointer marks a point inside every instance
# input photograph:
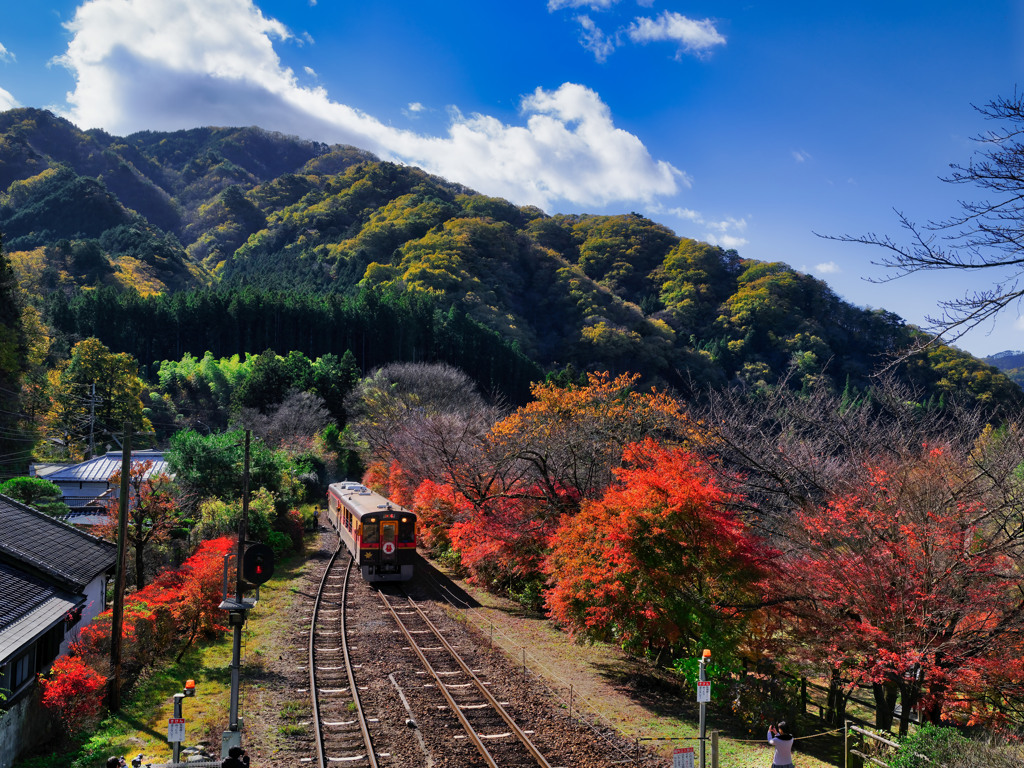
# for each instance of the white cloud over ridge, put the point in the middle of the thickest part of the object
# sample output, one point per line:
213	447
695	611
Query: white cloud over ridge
727	233
7	101
181	63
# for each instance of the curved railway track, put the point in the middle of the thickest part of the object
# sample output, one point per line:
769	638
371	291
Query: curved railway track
339	722
500	742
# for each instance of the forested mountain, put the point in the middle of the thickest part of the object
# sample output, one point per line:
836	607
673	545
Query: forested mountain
235	240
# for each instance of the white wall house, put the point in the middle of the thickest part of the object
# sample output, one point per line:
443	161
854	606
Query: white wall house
53	581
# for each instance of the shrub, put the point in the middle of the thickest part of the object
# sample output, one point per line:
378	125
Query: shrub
74	693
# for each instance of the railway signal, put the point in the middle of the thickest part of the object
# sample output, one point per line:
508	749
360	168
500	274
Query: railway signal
258	563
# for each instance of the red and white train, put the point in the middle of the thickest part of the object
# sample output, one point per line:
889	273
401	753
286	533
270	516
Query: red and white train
380	535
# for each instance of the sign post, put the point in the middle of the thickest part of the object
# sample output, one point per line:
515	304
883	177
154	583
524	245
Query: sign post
682	757
703	697
176	728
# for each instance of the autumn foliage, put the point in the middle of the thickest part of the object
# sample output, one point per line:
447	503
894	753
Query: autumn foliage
74	692
658	563
908	581
167	616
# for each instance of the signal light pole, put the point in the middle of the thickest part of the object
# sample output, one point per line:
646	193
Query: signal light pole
237	610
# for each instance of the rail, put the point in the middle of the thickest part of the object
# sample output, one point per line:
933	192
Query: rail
322	758
442	687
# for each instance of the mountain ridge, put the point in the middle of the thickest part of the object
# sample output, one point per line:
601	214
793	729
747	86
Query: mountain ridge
232	208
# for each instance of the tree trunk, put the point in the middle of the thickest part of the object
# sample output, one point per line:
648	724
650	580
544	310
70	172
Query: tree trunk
910	695
835	707
140	574
885	703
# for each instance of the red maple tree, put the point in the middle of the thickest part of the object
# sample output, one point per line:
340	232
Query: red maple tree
659	562
153	512
908	582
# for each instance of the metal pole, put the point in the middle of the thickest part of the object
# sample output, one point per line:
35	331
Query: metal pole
117	616
236	618
703	707
243	523
176	745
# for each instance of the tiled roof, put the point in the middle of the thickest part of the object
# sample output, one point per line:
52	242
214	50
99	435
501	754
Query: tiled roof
28	607
34	541
99	469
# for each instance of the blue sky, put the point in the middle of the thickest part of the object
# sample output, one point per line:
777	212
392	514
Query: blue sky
753	125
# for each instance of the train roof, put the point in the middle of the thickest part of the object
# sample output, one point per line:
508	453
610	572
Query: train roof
361	500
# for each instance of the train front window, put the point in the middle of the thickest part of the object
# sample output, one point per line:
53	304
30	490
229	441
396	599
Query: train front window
407	530
371	532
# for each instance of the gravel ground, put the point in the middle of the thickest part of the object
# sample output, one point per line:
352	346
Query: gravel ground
629	703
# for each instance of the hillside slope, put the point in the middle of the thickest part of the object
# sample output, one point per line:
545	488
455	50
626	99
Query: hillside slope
234	208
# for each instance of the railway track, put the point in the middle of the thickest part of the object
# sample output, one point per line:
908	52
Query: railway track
488	727
340	724
426	702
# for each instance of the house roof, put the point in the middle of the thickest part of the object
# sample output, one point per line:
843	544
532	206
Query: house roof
32	541
29	606
100	468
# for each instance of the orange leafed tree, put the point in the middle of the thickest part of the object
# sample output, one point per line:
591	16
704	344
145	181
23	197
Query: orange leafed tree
659	563
172	612
568	439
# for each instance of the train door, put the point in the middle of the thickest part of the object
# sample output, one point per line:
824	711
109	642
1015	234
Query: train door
389	545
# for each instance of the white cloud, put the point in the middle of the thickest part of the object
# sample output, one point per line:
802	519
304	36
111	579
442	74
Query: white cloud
7	101
694	37
182	63
594	5
729	242
800	156
727	232
415	107
310	71
594	39
827	268
5	55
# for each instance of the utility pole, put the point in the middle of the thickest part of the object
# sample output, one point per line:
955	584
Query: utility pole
92	422
243	524
117	617
237	610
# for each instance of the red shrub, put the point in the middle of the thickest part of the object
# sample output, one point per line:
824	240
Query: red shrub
74	693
